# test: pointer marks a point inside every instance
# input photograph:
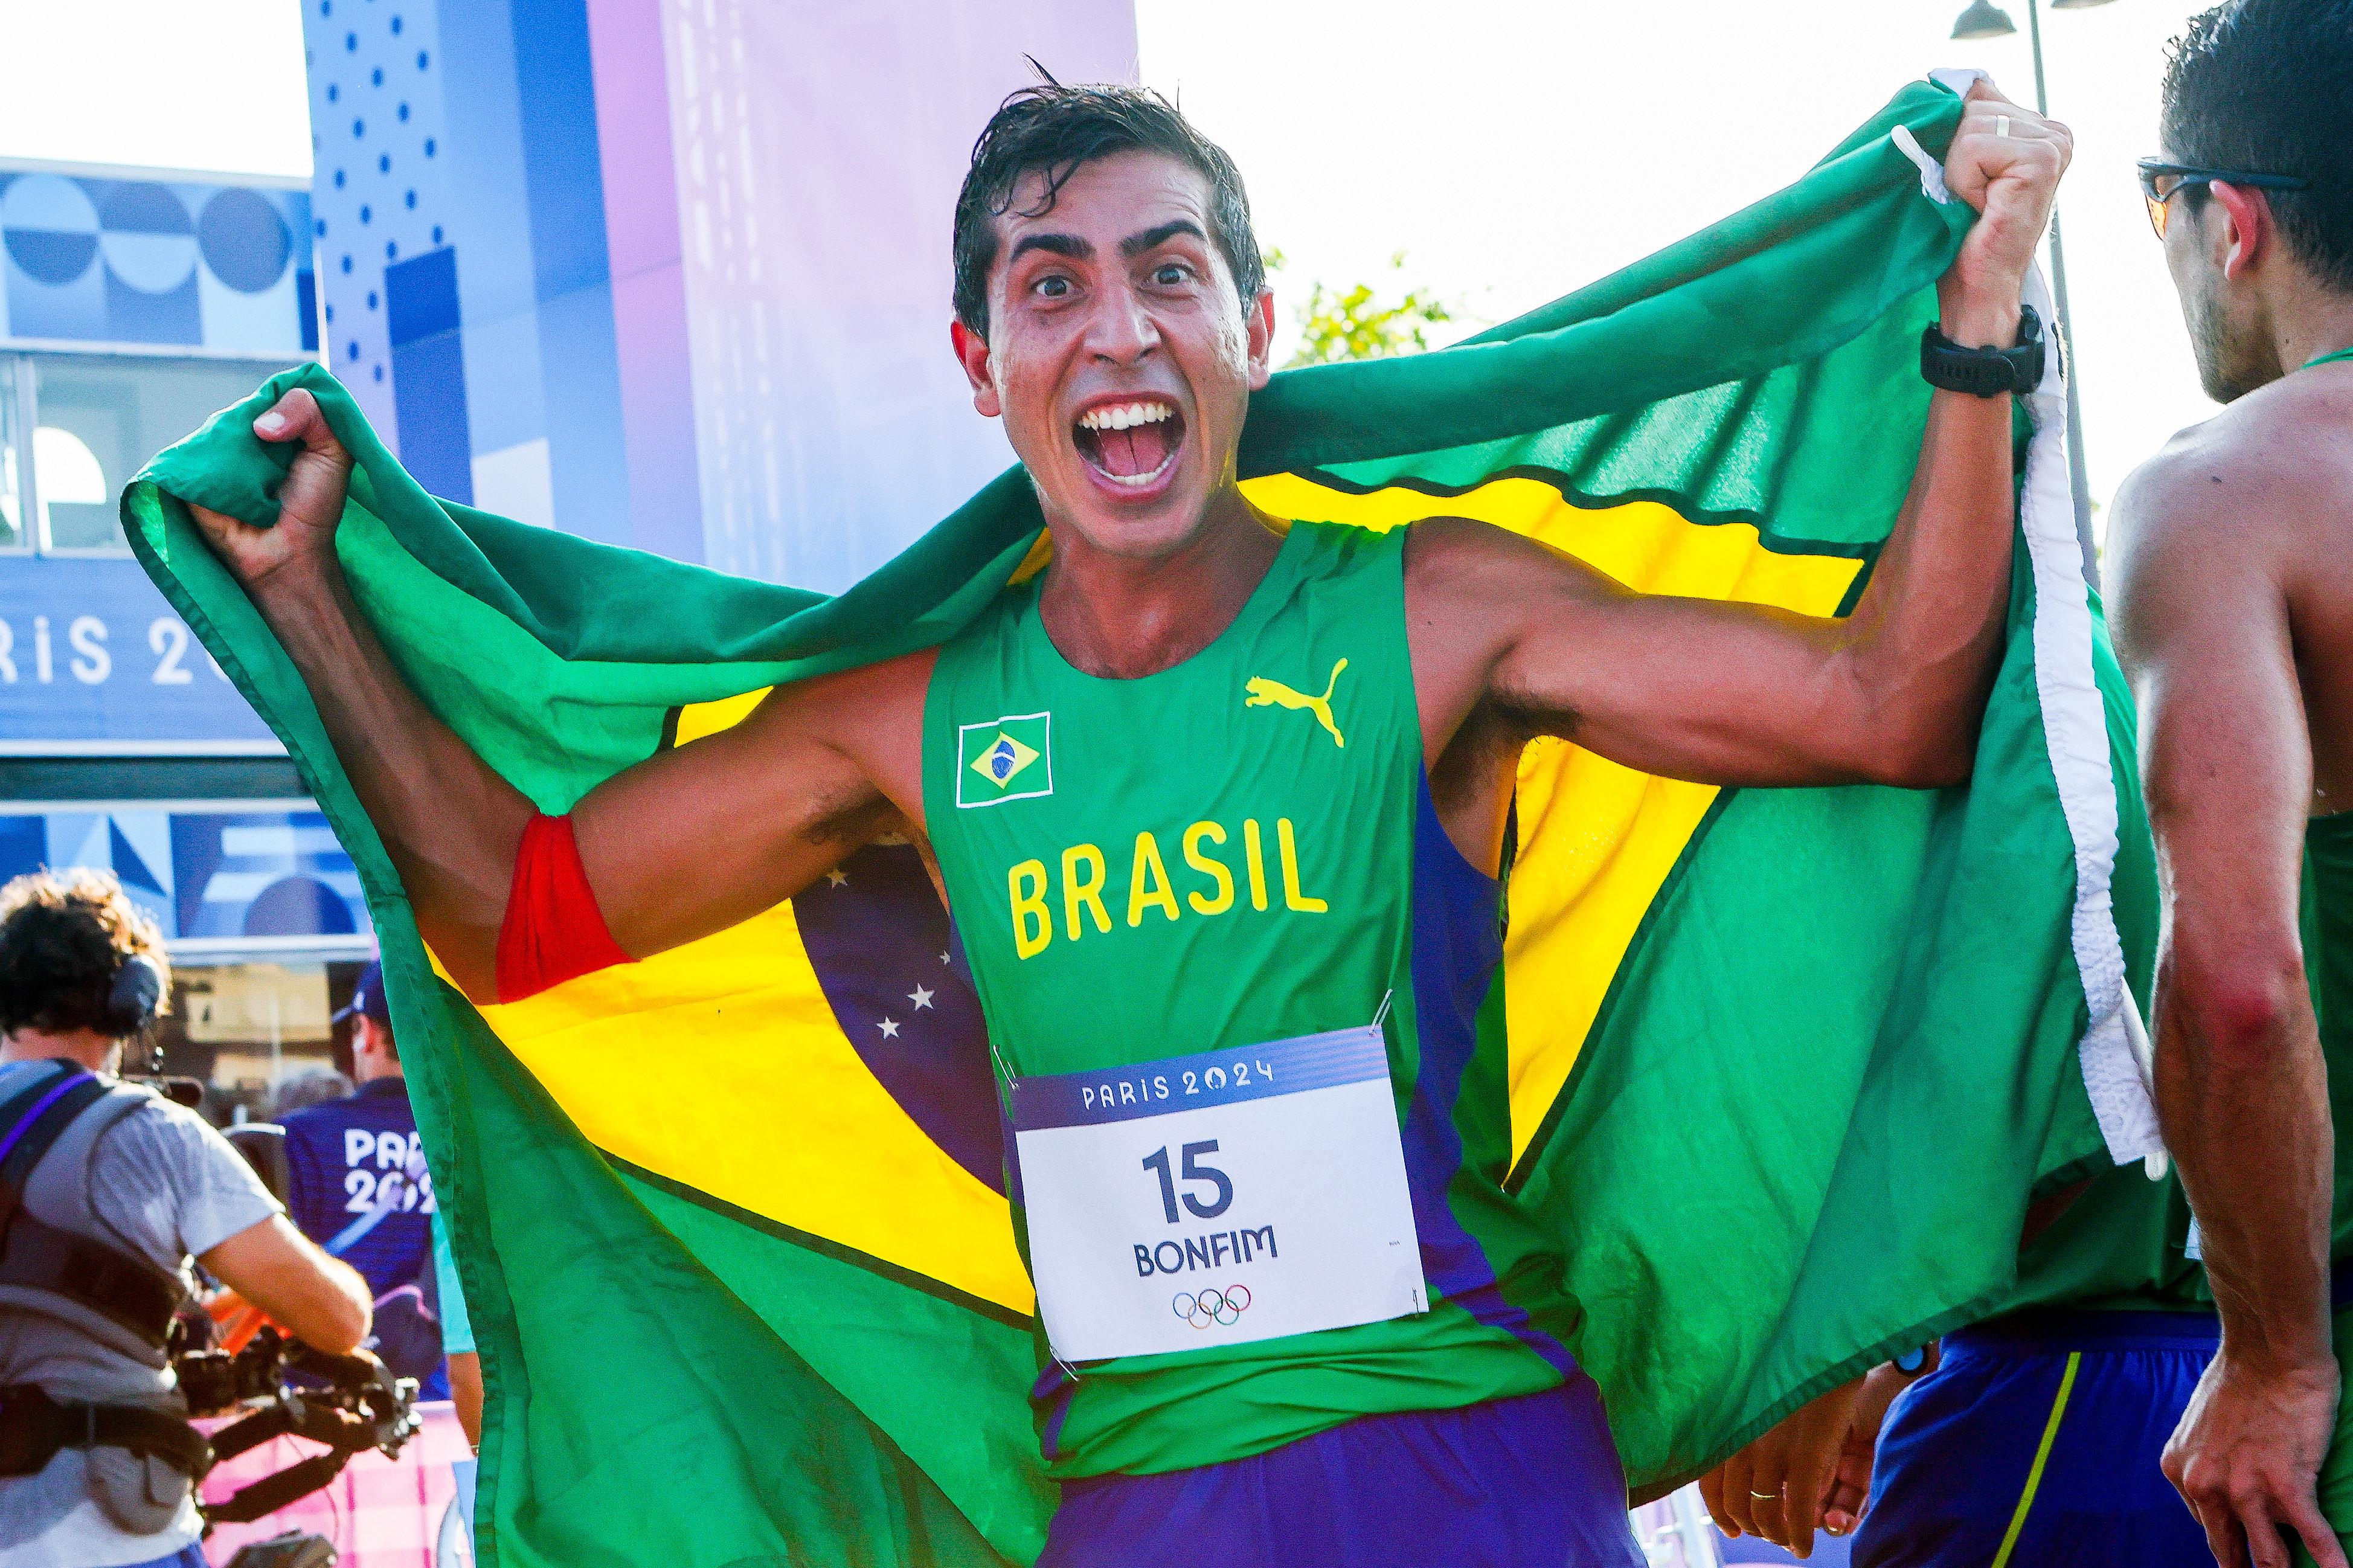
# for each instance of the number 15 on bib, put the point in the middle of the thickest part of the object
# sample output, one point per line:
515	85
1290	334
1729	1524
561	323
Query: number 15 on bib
1217	1199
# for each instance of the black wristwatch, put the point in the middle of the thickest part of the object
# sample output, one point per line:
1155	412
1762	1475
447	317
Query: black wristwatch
1985	371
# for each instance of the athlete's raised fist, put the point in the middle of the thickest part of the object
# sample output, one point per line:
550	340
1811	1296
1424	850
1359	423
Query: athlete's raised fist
310	501
2006	161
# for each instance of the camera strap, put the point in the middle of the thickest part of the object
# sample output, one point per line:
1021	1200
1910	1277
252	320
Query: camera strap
128	1290
34	1426
31	1121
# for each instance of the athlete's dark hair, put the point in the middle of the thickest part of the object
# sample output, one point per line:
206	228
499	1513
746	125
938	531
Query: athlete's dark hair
63	937
2266	87
1052	130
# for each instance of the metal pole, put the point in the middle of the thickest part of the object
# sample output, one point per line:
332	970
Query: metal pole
2066	329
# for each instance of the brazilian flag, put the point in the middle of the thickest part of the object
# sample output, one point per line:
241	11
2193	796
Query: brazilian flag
1785	1066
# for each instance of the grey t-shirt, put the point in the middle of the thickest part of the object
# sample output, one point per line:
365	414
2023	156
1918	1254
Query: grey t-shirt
161	1182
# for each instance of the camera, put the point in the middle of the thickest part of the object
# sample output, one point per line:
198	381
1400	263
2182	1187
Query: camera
349	1404
214	1381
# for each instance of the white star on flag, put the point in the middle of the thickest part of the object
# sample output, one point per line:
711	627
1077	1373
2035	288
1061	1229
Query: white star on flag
889	1029
920	997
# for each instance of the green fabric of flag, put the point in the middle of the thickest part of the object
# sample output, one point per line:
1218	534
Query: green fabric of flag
1786	1066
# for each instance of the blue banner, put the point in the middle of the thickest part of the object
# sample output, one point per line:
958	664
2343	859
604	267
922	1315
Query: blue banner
92	660
220	876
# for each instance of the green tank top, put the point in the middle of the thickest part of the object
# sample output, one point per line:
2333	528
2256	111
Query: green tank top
2329	971
1240	849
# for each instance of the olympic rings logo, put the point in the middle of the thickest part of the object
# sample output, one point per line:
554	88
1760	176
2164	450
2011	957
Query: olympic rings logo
1223	1307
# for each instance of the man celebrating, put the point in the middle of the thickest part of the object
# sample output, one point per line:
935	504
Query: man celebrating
1217	808
2236	625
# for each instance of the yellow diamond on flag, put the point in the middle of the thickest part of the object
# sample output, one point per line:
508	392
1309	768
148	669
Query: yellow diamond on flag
1004	760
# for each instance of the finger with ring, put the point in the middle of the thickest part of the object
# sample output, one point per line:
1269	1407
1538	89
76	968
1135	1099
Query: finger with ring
1764	1497
2001	125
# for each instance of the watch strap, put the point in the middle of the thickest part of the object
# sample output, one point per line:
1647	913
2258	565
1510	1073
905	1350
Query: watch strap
1985	371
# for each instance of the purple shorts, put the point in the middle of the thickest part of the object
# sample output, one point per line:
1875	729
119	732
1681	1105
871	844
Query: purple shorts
1530	1482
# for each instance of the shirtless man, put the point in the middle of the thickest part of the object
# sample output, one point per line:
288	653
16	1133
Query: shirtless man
1342	849
2232	555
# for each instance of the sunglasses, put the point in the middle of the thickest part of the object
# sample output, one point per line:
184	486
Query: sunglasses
2161	182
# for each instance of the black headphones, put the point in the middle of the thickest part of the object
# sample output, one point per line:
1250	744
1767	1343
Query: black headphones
133	995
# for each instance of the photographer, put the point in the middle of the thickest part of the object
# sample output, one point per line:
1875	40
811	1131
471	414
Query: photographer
106	1190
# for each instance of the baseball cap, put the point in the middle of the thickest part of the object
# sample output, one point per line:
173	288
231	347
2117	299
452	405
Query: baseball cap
368	997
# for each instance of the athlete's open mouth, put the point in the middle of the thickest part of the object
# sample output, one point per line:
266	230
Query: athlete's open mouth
1130	444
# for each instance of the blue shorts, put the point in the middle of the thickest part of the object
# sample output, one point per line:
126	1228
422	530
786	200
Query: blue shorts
2049	1424
1510	1483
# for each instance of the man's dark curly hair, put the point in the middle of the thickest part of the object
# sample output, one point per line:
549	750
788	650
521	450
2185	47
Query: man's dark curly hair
1050	129
63	935
2266	87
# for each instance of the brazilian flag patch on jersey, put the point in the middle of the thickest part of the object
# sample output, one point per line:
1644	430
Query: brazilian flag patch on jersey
1009	758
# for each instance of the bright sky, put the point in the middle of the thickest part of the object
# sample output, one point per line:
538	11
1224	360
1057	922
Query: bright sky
178	84
1516	149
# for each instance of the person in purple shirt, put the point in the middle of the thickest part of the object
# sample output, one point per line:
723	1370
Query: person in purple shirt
356	1182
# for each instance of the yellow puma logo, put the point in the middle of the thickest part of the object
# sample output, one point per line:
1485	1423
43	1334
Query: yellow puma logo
1264	692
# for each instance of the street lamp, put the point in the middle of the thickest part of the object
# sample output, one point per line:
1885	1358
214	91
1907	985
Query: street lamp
1984	19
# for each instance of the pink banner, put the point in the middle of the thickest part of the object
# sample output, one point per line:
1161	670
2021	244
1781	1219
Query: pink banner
379	1513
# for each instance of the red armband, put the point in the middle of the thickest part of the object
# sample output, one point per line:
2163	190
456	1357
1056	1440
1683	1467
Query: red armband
553	931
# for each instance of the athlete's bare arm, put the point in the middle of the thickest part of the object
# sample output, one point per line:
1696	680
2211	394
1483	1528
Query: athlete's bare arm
768	806
817	770
1536	642
1511	638
2226	560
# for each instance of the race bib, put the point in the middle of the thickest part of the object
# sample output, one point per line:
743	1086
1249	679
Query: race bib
1217	1199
